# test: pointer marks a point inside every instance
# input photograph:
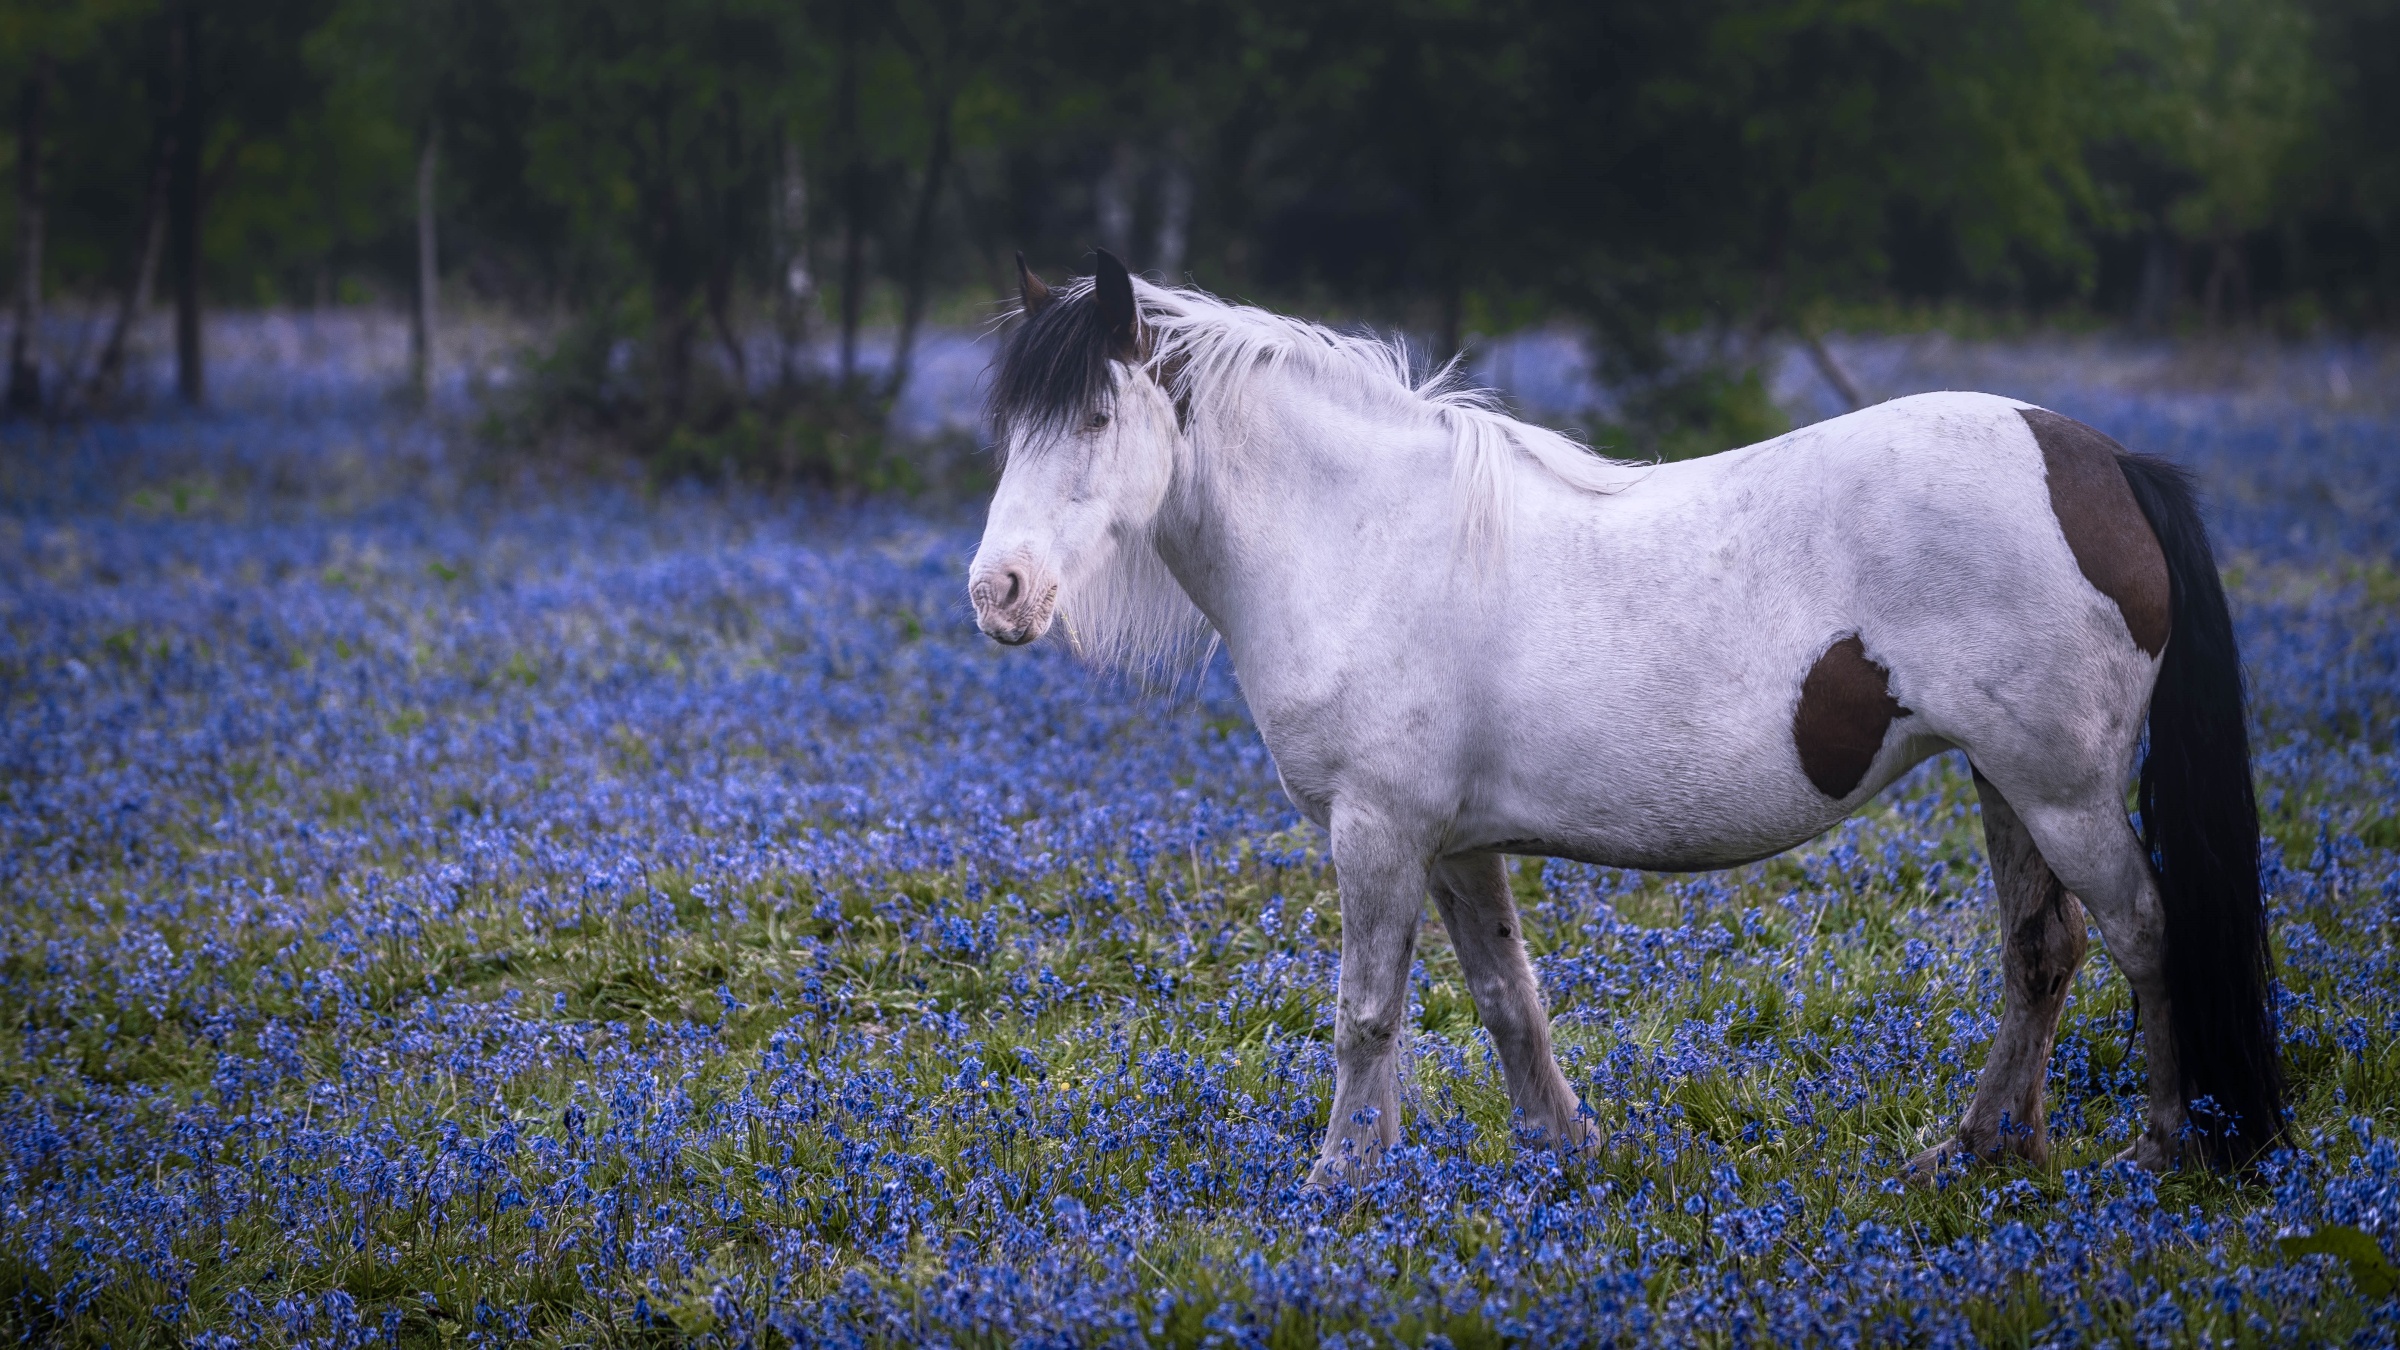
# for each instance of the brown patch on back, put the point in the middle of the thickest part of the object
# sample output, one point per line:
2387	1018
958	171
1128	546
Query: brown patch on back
1846	706
2112	542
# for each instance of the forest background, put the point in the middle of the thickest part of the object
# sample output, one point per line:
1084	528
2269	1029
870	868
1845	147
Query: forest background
707	212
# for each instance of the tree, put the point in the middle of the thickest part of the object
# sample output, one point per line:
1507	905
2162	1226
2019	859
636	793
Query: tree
237	80
37	38
398	67
654	129
946	44
1435	100
2219	100
2347	194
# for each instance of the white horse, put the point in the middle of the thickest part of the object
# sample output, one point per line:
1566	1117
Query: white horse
1463	636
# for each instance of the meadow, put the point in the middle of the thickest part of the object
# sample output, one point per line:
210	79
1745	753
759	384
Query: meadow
441	913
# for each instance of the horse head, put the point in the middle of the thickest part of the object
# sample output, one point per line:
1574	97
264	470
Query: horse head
1087	452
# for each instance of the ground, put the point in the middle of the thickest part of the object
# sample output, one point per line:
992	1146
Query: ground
433	912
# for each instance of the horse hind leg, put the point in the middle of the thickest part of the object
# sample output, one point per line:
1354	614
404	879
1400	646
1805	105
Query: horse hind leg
1471	891
2093	848
2043	942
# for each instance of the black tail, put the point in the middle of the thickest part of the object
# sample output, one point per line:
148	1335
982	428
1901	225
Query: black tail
2200	825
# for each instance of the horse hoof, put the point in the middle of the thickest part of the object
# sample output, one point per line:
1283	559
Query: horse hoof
2149	1155
1331	1174
1933	1166
1582	1140
1576	1139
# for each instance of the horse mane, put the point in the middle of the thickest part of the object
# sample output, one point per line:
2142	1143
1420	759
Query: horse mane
1207	353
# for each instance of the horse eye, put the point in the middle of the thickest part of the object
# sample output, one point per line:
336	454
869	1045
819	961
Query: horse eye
1099	420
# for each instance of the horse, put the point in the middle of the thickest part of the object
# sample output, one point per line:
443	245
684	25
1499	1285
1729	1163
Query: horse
1462	636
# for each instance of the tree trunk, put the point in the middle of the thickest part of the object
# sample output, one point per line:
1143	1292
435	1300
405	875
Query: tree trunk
24	369
2228	283
423	321
2161	279
1174	210
797	295
675	350
854	195
2221	279
719	296
184	203
1112	201
1451	340
110	372
920	246
1832	370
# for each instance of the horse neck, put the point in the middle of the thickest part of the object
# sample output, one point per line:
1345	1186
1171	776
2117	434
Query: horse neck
1267	508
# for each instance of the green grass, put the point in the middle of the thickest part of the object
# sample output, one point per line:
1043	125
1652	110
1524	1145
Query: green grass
1791	1030
1804	978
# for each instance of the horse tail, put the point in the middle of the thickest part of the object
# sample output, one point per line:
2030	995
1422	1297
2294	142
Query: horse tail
2200	828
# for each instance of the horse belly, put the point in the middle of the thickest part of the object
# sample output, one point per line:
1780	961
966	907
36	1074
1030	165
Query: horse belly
1676	813
1680	804
1654	727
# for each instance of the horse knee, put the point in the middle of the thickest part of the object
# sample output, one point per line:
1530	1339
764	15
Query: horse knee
1366	1033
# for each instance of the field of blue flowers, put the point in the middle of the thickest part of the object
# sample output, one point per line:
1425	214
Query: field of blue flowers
434	912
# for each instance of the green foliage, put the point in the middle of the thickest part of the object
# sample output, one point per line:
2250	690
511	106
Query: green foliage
1693	412
726	167
587	388
1803	139
828	442
2351	198
2370	1269
2243	79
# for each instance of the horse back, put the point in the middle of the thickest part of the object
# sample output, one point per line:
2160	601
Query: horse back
1730	655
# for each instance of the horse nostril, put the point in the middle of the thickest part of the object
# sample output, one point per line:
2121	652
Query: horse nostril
1016	587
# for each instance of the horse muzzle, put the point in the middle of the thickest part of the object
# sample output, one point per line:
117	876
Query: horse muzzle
1014	603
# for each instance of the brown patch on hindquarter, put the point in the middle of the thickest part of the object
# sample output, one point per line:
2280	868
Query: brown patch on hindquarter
1846	706
2112	542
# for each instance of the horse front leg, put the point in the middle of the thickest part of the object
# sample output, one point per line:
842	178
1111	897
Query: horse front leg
1472	894
1382	877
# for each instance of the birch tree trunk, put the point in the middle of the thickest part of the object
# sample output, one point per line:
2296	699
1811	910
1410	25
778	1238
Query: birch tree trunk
796	297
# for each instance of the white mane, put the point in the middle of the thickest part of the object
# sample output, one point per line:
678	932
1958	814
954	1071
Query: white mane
1206	353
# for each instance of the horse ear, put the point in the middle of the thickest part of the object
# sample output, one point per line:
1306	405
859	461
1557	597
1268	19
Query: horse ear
1112	288
1031	293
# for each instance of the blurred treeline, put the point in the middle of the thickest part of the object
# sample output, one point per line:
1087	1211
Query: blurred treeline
736	216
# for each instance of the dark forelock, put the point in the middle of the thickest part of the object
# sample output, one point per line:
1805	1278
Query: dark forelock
1053	369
